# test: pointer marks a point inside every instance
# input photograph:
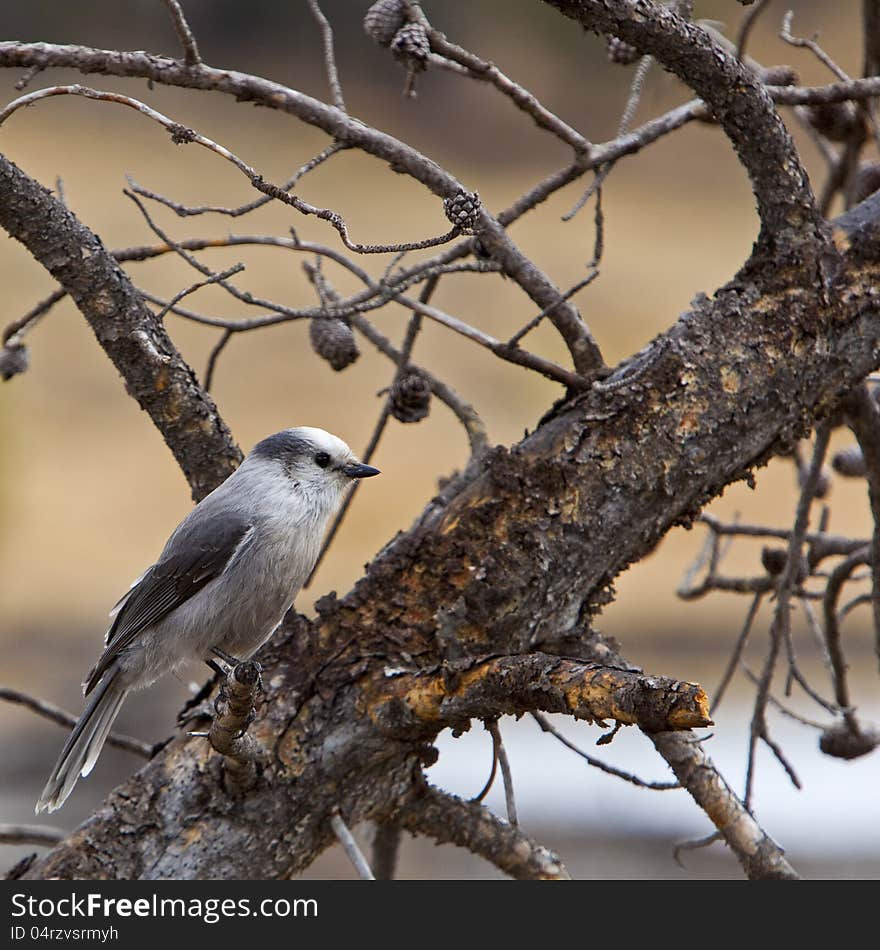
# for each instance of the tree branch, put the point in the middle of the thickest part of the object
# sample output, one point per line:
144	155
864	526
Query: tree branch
154	372
448	819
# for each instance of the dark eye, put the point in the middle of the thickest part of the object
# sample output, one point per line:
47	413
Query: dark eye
322	459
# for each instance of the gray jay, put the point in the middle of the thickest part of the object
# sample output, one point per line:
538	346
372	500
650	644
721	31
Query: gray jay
221	585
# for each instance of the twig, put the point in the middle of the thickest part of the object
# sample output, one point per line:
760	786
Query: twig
735	657
446	818
786	36
626	118
386	848
523	99
514	340
182	135
329	55
838	578
694	844
786	586
547	726
212	279
350	846
62	718
16	330
45	835
747	23
214	355
501	754
184	33
185	211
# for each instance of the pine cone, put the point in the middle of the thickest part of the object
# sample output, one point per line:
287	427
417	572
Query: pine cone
333	341
13	360
774	560
620	52
384	19
410	45
410	397
849	462
837	121
463	210
867	181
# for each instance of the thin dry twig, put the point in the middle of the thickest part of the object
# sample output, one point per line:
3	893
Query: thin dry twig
182	135
45	835
184	33
500	753
548	727
14	333
329	55
63	718
785	588
350	846
185	211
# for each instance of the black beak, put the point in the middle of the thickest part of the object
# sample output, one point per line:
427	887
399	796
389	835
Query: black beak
359	470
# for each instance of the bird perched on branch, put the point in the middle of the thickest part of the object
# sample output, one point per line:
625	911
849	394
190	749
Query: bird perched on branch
222	584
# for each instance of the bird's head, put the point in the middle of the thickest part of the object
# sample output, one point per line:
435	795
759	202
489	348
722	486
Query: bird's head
314	460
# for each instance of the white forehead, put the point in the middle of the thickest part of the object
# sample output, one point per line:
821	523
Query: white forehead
323	441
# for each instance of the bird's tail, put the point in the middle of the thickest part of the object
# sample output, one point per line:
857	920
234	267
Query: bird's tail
84	744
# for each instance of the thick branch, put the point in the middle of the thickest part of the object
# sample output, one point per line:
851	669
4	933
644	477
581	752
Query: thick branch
154	372
758	854
421	705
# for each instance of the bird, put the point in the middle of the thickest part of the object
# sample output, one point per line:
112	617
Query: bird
223	582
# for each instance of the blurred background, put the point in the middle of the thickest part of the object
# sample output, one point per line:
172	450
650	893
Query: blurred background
89	492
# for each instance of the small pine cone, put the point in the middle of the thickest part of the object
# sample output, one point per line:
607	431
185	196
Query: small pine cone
837	121
867	181
333	341
774	560
463	210
384	19
620	52
849	462
13	360
410	45
410	397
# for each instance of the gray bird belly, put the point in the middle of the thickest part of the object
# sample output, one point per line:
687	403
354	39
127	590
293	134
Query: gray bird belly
236	612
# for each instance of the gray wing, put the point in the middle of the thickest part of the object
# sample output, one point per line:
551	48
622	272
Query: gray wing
198	551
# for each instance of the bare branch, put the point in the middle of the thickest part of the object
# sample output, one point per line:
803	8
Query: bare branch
329	54
62	718
756	851
184	33
446	818
547	726
45	835
506	775
350	846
